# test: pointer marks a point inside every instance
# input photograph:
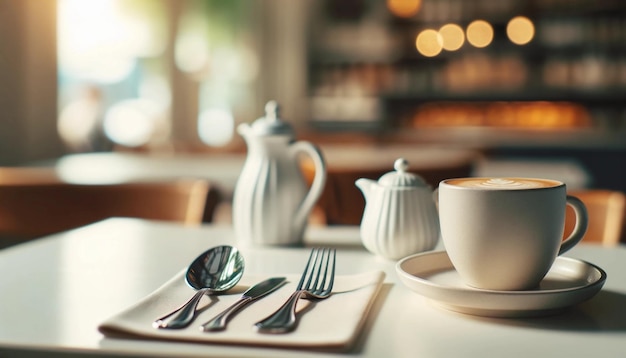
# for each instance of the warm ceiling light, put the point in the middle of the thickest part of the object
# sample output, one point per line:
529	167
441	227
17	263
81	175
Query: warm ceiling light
429	43
520	30
479	33
452	36
404	8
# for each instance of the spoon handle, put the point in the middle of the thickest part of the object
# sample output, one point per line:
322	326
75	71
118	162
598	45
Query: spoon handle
186	313
218	323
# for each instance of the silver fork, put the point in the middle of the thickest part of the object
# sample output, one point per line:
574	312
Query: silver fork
316	274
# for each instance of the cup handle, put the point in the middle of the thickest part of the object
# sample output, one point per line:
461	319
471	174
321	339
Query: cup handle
580	228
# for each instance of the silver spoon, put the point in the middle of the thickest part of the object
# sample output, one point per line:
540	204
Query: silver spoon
216	270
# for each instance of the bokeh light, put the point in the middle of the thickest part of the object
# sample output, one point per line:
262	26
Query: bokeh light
453	37
479	33
193	47
404	8
79	120
429	43
99	40
132	122
216	127
520	30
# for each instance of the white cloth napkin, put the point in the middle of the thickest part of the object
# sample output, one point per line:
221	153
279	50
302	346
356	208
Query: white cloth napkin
331	323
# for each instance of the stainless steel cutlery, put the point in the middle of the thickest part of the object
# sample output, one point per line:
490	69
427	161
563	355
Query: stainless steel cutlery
214	271
218	323
316	282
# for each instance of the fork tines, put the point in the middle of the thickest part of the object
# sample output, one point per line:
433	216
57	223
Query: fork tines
316	281
321	259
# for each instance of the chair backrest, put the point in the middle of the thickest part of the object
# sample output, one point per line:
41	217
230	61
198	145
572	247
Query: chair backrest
29	210
606	210
28	175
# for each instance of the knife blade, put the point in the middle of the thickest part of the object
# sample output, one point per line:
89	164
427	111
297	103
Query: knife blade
218	323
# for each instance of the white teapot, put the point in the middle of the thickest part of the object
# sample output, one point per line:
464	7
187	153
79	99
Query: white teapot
400	217
272	201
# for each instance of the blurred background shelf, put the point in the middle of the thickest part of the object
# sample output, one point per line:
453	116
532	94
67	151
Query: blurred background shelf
346	72
365	70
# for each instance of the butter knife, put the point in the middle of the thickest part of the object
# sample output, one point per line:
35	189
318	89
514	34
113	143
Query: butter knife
218	323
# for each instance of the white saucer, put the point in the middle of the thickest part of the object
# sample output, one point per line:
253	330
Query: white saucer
568	283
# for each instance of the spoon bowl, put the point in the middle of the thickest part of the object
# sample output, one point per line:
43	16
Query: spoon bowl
214	271
218	269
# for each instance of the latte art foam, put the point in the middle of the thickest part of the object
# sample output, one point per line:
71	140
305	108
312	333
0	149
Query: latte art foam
503	183
499	183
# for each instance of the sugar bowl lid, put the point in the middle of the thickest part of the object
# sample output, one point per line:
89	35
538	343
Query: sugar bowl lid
400	177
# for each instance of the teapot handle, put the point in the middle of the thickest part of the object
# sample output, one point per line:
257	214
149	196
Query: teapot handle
318	180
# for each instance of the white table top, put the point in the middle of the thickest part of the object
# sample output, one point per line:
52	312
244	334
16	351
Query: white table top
55	292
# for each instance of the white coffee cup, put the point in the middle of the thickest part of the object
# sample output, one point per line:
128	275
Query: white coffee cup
505	233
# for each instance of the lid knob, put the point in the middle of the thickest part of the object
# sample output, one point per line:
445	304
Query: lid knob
272	111
271	123
400	177
401	165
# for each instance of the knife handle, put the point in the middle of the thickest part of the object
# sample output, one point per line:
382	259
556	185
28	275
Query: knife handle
218	323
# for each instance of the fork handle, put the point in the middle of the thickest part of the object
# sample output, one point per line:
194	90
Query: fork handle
284	319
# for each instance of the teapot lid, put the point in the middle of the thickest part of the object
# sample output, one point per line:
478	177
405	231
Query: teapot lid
400	177
271	124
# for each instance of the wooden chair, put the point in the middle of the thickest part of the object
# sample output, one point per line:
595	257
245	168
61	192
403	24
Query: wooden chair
606	209
33	209
27	175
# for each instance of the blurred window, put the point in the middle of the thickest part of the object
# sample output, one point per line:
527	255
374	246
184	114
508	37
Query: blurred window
121	64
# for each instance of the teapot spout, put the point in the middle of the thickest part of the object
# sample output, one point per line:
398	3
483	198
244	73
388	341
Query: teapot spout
244	129
365	185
